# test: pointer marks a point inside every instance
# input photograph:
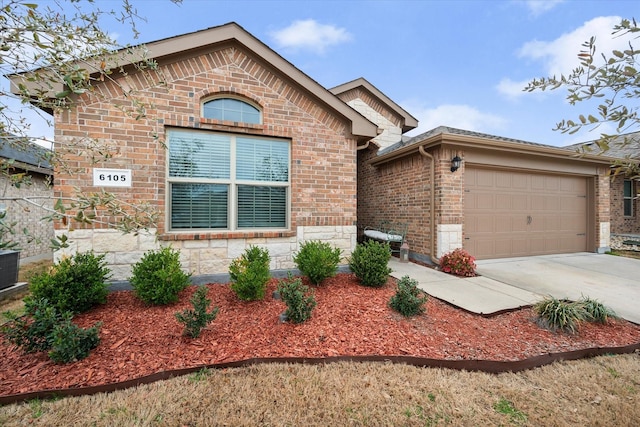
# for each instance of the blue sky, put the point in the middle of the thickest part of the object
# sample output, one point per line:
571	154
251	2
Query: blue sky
455	63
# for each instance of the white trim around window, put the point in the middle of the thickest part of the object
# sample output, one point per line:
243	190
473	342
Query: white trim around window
226	182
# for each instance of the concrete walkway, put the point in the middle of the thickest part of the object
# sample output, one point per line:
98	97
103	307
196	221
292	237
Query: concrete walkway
510	283
479	295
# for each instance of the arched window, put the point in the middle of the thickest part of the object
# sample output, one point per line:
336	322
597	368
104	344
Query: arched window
232	110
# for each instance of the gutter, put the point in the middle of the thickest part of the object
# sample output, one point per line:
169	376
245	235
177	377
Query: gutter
433	203
463	141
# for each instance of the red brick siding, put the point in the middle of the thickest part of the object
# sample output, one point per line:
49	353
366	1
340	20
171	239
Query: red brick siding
619	223
397	191
323	159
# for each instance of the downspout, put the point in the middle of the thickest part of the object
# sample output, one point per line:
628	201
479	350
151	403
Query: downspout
433	204
362	147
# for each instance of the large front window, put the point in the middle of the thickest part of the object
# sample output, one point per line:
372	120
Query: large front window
222	181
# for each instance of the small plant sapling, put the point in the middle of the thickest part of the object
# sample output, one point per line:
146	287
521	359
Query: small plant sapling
198	318
408	299
299	300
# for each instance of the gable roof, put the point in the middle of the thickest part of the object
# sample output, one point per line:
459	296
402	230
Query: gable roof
408	121
178	46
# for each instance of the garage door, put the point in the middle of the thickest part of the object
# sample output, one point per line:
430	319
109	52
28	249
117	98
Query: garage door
509	214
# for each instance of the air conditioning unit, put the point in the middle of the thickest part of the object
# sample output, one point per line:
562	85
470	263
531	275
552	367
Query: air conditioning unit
9	266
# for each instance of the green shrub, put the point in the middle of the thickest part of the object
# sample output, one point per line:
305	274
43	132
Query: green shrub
595	311
369	262
250	274
32	332
71	343
458	262
74	284
44	328
560	315
317	260
300	301
157	278
198	318
408	299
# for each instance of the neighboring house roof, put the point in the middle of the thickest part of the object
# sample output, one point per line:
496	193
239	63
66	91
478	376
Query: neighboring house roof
176	47
625	146
28	156
408	121
462	138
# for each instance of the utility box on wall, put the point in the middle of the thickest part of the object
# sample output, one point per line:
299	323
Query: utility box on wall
9	266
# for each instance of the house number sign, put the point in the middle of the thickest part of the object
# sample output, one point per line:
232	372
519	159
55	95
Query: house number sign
112	177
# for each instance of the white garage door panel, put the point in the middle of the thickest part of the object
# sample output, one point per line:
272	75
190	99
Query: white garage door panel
511	214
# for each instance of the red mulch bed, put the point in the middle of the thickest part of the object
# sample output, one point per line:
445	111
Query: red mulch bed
350	320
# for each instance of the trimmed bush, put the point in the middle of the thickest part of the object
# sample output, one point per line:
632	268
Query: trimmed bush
250	274
158	278
317	260
44	328
562	315
71	343
198	318
300	301
408	299
32	332
369	262
74	284
458	262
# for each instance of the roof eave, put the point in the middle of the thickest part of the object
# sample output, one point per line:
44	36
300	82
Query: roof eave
503	146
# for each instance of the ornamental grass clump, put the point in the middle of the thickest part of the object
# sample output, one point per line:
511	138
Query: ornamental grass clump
369	262
317	260
74	284
559	315
158	277
299	300
408	299
595	311
250	273
197	319
458	262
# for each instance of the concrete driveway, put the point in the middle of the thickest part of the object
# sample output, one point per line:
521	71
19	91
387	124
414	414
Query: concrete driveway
614	281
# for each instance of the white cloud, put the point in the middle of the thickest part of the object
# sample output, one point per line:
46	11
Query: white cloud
538	7
511	88
457	116
559	56
309	34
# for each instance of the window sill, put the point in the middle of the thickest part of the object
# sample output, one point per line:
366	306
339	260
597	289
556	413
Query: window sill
223	235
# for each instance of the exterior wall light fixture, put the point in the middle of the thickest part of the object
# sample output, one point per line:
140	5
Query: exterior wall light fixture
455	163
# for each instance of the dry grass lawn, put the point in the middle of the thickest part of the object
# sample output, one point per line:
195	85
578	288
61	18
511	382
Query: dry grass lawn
603	391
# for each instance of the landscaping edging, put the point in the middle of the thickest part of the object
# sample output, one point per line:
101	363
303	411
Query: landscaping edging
488	366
